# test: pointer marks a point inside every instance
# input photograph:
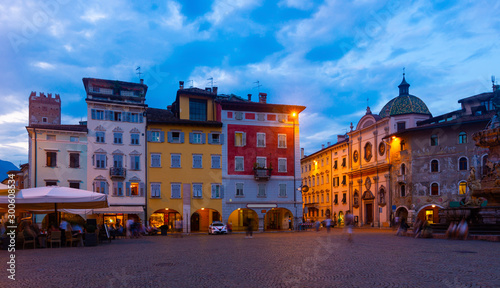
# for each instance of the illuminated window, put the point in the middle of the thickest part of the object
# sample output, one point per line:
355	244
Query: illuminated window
240	139
134	189
51	159
462	188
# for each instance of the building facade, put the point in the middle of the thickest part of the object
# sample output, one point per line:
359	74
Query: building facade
261	171
116	122
185	162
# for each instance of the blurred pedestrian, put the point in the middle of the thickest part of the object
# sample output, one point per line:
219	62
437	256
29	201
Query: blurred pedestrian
316	225
403	227
249	233
328	223
349	223
63	226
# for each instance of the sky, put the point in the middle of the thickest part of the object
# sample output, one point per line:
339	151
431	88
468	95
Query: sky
334	57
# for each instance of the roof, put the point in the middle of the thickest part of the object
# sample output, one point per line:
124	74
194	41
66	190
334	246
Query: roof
326	148
165	116
62	127
196	91
259	107
469	119
404	104
477	98
114	83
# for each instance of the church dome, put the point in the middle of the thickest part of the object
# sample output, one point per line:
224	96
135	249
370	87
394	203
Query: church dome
404	103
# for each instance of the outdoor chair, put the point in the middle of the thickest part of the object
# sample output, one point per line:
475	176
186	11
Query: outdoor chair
55	237
71	239
22	239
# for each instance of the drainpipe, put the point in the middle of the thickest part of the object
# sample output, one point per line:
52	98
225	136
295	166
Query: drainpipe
34	131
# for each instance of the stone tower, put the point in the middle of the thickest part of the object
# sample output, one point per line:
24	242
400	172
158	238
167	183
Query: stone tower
44	109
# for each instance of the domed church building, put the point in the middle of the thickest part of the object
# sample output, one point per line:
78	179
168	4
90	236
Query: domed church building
371	185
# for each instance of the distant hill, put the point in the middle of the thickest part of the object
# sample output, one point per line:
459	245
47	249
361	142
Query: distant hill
6	166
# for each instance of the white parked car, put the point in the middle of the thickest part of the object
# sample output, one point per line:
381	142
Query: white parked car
217	227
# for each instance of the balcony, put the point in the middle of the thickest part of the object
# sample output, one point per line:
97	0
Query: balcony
262	174
401	179
117	172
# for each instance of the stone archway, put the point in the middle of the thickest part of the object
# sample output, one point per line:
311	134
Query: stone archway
278	219
164	217
239	219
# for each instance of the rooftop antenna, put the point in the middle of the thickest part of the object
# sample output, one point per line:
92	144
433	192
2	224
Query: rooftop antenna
258	85
211	79
404	71
367	101
493	79
138	73
191	83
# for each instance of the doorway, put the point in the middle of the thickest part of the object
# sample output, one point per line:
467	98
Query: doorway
369	213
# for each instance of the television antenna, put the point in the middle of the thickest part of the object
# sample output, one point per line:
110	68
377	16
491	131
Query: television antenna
258	85
138	73
211	79
191	83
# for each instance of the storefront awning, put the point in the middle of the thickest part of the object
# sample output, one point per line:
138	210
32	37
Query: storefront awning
120	209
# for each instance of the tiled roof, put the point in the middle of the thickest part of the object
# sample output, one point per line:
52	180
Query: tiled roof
404	104
63	127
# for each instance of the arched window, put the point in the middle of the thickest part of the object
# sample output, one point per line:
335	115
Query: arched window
434	140
462	138
322	198
403	190
462	164
462	188
434	189
434	166
403	169
327	197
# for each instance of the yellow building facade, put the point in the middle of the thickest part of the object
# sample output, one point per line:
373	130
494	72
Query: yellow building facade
184	163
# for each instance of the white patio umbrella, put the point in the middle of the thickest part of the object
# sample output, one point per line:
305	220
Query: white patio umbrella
55	197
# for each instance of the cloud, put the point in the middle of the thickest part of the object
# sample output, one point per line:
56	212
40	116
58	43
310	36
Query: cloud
44	65
94	15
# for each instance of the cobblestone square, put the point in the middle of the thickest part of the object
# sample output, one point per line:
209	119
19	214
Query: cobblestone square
376	258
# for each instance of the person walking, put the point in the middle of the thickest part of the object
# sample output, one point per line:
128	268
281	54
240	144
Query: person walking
328	224
249	233
349	223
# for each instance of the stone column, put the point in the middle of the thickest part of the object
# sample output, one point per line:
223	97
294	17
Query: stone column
376	218
361	203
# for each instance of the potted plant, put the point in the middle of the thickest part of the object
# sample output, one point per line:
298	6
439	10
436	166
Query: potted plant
91	236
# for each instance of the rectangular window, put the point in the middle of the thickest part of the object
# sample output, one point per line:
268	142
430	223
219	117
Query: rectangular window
335	164
74	139
239	189
197	138
215	162
100	187
134	118
262	190
51	137
282	190
238	163
214	138
118	160
175	160
135	162
240	139
261	162
155	190
134	139
177	137
197	190
344	180
197	161
282	166
99	137
344	198
155	160
336	199
51	159
75	185
50	183
434	140
216	191
117	138
100	160
281	140
74	160
175	189
401	126
261	139
134	189
197	109
118	187
156	136
118	116
97	114
344	162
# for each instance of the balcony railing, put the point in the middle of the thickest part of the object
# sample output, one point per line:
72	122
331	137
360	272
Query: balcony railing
117	172
262	174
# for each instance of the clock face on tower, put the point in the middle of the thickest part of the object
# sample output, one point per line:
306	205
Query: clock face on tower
355	156
381	149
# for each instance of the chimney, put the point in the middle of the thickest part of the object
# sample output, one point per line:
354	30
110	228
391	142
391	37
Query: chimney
328	144
301	153
215	90
142	81
263	98
340	138
249	97
181	84
322	146
169	107
208	89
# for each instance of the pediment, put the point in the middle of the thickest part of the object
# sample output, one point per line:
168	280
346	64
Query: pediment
117	151
118	129
100	177
100	128
100	150
368	195
135	152
135	130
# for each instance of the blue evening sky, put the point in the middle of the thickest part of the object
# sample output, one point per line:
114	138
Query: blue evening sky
330	56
